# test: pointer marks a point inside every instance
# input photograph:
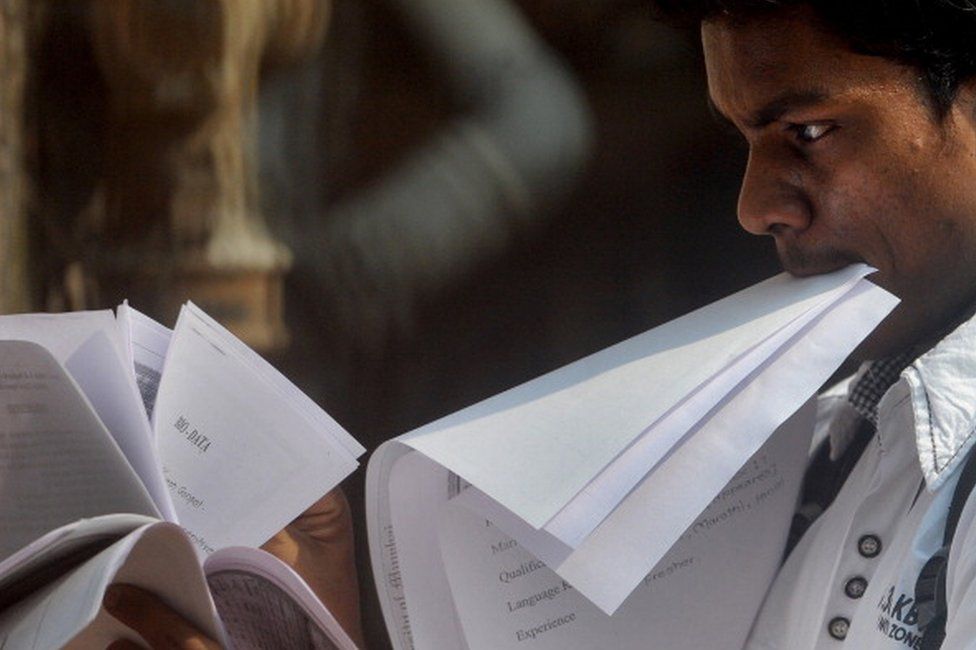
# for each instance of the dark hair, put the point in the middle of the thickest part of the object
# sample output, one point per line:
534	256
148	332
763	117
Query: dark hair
937	37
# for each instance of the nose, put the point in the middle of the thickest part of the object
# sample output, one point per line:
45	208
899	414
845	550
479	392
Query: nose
771	197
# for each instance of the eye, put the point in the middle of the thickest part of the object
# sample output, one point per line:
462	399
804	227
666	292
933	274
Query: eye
810	133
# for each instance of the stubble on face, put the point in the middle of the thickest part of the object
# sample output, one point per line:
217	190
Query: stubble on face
803	260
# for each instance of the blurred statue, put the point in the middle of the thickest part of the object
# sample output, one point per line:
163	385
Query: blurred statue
177	212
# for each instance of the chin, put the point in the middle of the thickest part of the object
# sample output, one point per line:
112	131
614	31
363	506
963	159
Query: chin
806	270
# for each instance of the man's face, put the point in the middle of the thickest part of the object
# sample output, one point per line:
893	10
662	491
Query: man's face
849	162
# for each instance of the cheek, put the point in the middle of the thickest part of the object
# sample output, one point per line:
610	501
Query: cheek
915	228
851	205
870	213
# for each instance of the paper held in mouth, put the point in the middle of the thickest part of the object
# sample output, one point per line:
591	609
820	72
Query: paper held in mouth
604	470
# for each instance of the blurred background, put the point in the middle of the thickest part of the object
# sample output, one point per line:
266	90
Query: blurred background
406	205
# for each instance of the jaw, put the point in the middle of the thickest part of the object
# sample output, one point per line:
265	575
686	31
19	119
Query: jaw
920	320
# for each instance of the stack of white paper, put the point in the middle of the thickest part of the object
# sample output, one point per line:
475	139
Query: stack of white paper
600	467
108	426
234	451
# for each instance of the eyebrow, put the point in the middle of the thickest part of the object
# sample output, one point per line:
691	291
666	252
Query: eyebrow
775	109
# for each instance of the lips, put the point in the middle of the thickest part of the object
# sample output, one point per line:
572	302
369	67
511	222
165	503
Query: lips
802	261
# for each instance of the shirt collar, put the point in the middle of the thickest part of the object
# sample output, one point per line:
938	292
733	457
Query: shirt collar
942	386
861	395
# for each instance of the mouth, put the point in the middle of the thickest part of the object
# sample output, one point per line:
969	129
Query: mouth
804	261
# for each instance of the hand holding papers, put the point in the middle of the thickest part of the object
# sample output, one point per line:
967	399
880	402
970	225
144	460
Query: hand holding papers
598	469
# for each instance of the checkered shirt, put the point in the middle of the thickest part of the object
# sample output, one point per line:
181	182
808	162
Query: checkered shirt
875	380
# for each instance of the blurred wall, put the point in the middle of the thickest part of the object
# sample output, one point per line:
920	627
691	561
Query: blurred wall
14	281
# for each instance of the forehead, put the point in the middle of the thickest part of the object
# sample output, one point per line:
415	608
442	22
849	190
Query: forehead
751	62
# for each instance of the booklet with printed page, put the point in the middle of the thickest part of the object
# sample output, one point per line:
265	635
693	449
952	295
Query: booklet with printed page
639	497
130	453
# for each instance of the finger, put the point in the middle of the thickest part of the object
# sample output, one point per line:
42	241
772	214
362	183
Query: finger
328	519
320	546
333	505
160	626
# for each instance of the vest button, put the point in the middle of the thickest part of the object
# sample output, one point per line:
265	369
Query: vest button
838	628
869	546
855	587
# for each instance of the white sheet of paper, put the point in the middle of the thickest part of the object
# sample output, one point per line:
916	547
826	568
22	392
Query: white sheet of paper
540	542
157	557
475	592
417	489
595	502
88	345
781	340
385	545
19	571
535	447
53	445
240	462
566	531
607	566
703	595
280	384
147	342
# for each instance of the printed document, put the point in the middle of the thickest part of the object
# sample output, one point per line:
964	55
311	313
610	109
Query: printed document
649	467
